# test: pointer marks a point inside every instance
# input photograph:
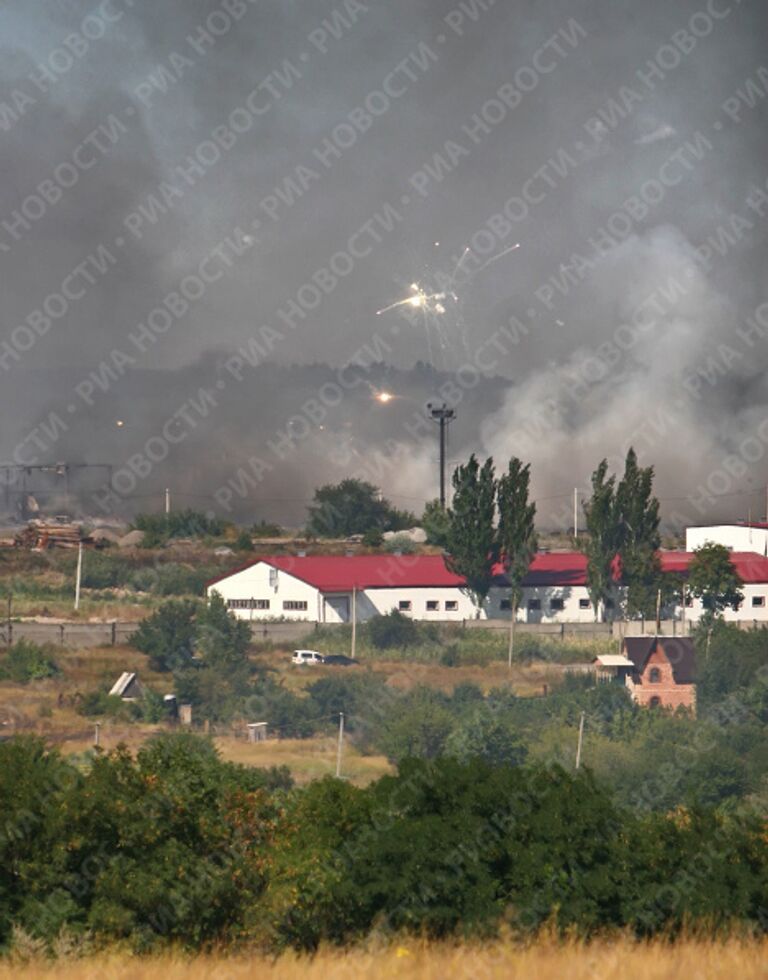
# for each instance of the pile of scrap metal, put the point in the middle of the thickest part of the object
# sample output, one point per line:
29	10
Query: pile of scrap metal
40	535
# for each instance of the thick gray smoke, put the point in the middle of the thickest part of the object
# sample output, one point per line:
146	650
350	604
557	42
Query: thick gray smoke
205	204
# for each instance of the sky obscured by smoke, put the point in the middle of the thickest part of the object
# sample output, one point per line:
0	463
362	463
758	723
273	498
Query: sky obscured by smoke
605	327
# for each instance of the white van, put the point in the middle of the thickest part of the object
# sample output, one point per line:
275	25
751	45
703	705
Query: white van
307	657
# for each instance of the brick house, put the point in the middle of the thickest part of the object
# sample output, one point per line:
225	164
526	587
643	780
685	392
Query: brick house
664	671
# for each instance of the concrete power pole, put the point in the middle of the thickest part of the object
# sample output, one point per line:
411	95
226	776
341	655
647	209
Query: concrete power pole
581	740
167	500
576	513
341	742
78	574
443	416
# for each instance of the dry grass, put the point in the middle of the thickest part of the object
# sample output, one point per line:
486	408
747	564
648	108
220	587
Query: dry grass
414	960
307	758
527	680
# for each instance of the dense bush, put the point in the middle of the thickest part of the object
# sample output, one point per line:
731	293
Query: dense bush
396	630
102	571
159	528
400	544
176	847
265	530
27	661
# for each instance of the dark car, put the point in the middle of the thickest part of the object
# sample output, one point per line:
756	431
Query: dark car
339	660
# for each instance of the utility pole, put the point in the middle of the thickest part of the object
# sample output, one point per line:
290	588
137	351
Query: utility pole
684	599
338	748
167	500
576	513
443	416
78	574
581	739
658	611
354	621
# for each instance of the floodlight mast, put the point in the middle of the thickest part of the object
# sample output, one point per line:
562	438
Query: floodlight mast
443	416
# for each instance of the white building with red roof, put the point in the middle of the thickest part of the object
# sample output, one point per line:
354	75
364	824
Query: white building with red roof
321	588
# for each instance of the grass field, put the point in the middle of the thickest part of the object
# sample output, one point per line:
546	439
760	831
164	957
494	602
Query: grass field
414	960
48	707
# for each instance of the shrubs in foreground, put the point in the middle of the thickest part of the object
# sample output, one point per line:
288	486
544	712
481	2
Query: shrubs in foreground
178	847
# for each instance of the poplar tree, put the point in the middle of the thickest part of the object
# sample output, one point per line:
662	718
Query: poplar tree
471	537
516	536
604	537
637	516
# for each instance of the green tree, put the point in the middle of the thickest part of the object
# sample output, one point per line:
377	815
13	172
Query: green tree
243	542
637	514
713	578
604	537
516	534
221	638
472	536
168	635
436	523
353	507
482	736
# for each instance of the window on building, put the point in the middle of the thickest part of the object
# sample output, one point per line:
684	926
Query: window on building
294	605
505	604
654	676
655	702
432	605
247	603
404	605
534	604
584	603
758	600
451	605
556	604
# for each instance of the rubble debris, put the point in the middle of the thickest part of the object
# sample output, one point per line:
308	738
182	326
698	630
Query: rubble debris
40	535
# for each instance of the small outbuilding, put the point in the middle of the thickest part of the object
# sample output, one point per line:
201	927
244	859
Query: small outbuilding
127	686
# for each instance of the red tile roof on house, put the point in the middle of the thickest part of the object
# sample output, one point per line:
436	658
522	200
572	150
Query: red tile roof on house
338	573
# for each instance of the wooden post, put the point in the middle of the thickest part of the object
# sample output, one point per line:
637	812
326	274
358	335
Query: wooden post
96	733
114	632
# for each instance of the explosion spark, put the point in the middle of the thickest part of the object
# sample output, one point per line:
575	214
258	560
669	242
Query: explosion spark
430	303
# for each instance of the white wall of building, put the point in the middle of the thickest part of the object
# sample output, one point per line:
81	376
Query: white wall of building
290	598
556	604
264	583
436	604
736	537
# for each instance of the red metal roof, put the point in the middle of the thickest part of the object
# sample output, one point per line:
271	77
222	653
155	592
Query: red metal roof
751	567
338	573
